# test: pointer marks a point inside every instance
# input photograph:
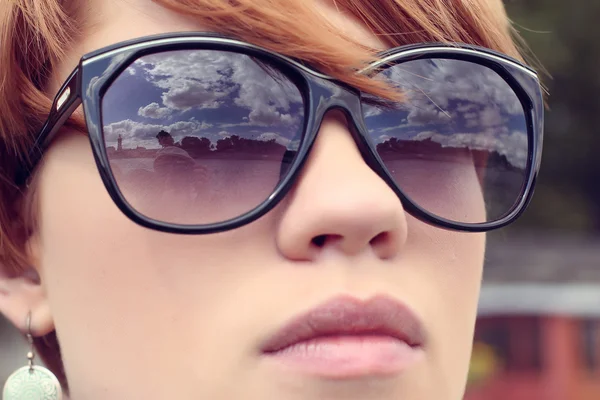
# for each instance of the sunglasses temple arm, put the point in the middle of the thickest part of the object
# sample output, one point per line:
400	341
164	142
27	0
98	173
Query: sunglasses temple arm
65	103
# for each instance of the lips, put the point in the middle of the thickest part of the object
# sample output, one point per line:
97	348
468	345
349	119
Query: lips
347	338
346	316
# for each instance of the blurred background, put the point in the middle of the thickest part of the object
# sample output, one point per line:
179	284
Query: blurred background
538	331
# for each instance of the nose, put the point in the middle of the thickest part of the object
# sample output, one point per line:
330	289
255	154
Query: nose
339	203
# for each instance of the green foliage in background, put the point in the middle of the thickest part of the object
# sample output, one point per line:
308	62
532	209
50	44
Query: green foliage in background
564	36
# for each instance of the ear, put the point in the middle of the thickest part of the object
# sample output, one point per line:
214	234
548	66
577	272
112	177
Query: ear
23	292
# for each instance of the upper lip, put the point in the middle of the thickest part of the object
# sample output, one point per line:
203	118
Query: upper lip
345	315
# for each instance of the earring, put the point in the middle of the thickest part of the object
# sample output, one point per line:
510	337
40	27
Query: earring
32	382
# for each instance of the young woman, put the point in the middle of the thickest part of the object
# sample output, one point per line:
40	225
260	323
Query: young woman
290	206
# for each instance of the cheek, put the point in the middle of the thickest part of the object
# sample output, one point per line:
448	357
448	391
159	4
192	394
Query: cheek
118	290
446	280
88	261
459	311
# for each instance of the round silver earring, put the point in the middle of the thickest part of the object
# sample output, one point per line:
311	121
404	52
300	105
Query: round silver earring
32	382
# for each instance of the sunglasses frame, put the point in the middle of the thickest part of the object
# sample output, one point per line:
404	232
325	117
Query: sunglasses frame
89	81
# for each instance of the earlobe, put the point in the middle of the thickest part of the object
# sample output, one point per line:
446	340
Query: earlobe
20	295
23	292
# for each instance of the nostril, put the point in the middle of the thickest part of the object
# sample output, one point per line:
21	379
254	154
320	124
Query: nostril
327	239
380	242
319	241
380	239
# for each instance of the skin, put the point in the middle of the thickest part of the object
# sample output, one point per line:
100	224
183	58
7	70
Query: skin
144	314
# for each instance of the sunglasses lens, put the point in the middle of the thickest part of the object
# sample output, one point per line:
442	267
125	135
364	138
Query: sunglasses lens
200	136
457	144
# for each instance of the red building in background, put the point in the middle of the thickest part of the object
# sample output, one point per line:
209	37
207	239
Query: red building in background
538	332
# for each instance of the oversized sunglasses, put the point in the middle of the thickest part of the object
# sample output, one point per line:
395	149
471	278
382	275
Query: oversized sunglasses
199	133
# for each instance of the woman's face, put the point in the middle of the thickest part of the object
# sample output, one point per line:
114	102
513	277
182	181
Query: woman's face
144	314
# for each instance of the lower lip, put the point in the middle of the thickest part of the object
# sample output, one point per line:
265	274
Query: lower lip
346	357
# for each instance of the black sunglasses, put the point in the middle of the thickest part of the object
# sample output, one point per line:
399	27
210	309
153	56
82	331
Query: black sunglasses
198	133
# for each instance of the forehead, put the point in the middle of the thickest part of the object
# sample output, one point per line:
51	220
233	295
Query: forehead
111	21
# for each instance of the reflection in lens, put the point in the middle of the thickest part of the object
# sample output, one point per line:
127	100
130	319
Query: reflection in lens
200	136
457	146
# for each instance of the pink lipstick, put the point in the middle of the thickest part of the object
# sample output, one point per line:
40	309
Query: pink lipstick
349	338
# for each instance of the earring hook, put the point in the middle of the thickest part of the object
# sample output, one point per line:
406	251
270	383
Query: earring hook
31	353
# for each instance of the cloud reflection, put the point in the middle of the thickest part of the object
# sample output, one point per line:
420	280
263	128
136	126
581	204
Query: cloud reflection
454	103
